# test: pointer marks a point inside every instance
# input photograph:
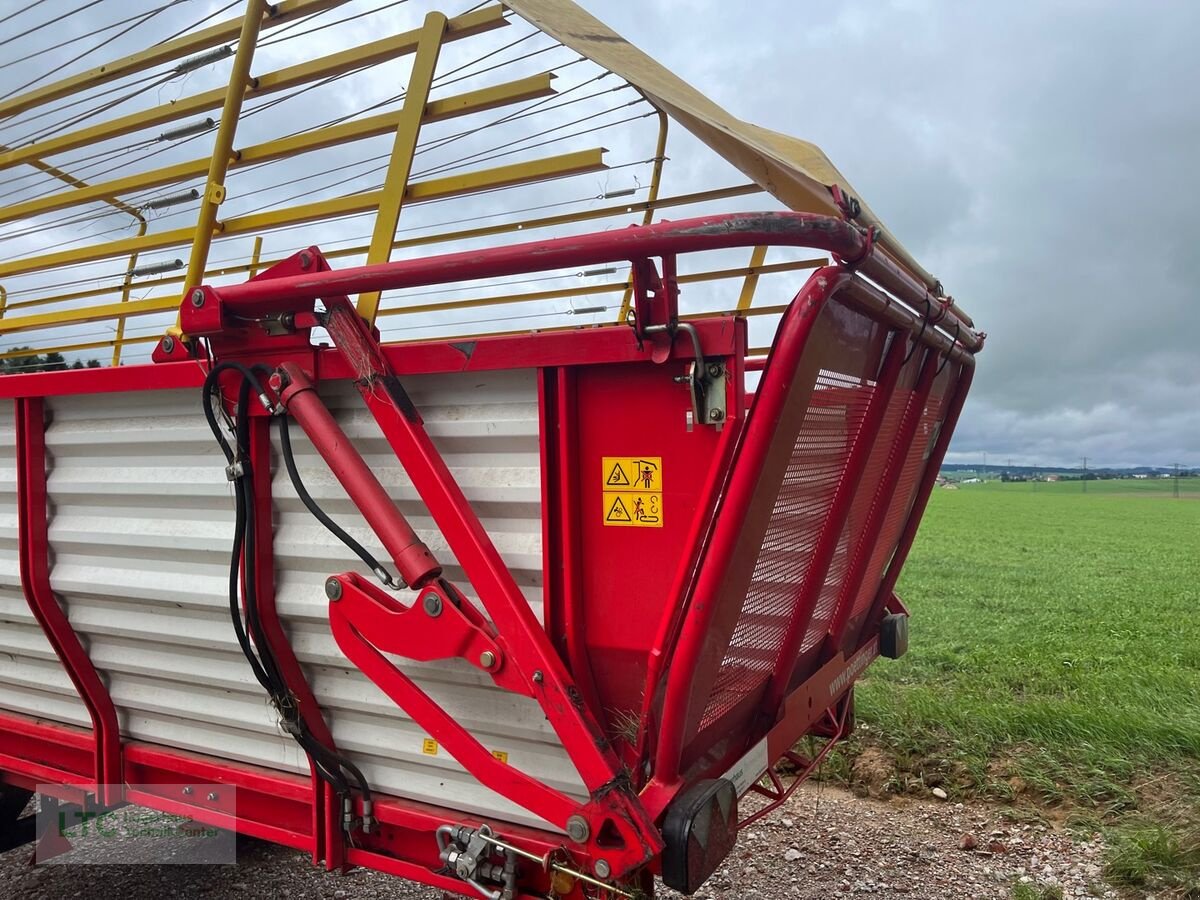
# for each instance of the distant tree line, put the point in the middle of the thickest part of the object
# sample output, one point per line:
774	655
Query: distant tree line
48	362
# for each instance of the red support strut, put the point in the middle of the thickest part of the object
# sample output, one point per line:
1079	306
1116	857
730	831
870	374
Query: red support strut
414	561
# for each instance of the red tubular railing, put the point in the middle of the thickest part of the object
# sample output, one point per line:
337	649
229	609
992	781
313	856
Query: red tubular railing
771	405
664	239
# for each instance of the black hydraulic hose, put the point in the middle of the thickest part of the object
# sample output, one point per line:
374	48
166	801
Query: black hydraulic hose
289	460
244	485
238	535
330	765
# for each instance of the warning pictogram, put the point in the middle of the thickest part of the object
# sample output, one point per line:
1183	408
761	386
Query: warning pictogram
632	488
617	477
633	473
633	508
618	512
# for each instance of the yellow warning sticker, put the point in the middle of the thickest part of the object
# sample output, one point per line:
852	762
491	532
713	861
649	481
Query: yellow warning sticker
632	487
636	508
501	755
429	747
633	473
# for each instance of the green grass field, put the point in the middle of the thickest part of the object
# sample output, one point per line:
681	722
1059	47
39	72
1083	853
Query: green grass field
1054	663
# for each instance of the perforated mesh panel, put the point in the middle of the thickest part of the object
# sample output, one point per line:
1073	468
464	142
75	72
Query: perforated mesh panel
860	507
814	472
906	486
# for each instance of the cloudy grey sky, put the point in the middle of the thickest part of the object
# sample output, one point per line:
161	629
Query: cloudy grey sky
1038	156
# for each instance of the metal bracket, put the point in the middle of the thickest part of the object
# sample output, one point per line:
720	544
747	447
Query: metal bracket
436	626
708	394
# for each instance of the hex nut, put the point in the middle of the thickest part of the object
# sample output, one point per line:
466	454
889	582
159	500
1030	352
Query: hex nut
198	297
577	829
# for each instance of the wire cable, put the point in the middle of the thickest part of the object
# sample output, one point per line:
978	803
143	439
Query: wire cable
329	764
139	17
289	460
57	20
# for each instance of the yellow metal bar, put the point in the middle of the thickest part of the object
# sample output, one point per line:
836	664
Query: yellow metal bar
404	148
441	237
231	112
73	197
170	302
530	88
126	286
660	156
71	348
293	76
90	314
425	240
255	255
119	337
566	164
757	257
165	52
562	293
116	203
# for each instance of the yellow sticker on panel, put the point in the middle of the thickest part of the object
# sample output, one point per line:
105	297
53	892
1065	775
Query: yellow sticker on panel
429	747
632	491
639	509
632	473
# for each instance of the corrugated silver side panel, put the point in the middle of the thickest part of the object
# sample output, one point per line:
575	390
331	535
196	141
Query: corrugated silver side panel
141	527
32	681
486	427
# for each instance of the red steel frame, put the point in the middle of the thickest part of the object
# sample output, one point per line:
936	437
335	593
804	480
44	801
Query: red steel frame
300	812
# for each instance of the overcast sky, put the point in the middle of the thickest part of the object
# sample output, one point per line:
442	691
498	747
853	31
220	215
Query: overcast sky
1038	156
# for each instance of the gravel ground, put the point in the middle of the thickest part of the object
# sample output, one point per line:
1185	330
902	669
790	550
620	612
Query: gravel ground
822	845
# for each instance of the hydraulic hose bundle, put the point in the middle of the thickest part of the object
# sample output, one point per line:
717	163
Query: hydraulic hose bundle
331	766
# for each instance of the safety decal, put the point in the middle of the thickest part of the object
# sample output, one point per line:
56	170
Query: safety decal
632	491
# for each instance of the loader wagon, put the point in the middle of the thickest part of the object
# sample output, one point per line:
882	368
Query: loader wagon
506	547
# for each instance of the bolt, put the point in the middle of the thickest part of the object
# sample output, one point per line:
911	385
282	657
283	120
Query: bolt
187	791
487	659
433	605
714	370
333	589
538	677
198	298
212	796
602	868
577	829
168	344
716	415
305	259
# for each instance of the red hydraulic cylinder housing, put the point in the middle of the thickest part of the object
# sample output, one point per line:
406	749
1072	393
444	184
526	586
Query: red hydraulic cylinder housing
414	561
